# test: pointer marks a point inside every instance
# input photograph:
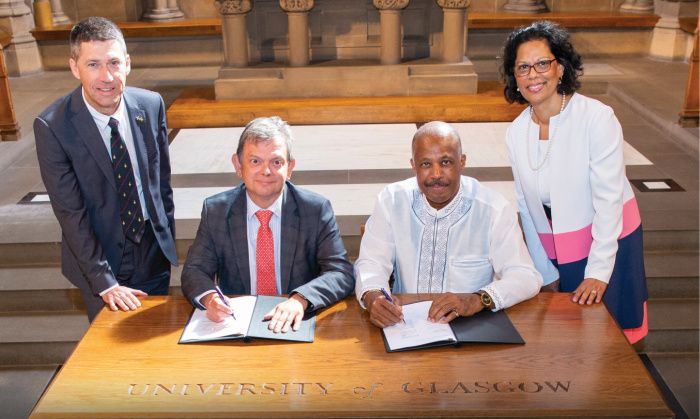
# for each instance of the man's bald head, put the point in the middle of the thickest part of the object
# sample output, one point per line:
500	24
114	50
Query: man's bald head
438	129
438	162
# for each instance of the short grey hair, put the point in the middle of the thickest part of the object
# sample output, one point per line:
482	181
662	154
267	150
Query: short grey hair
438	129
268	128
94	28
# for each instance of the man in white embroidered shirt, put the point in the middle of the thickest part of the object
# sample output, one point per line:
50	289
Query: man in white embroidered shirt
442	233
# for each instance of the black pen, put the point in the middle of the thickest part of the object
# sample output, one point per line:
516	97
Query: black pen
389	299
224	300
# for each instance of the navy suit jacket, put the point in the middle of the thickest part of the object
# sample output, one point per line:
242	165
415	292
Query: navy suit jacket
313	260
77	172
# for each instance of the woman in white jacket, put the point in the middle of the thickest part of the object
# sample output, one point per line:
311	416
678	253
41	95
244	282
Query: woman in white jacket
577	209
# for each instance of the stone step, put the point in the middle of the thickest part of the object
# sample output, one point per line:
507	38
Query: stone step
21	387
671	240
679	371
673	287
47	290
677	264
40	338
673	326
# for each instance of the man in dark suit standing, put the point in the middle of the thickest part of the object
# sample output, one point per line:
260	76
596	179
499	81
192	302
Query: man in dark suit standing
267	236
103	155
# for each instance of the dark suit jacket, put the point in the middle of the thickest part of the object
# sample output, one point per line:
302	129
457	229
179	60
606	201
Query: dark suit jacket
78	175
313	260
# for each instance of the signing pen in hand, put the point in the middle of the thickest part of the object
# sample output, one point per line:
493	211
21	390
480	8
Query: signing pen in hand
391	300
224	300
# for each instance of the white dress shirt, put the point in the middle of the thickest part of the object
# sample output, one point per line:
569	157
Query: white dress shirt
253	225
102	122
483	245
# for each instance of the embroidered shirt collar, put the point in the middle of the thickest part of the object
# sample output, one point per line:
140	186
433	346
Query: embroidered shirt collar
447	209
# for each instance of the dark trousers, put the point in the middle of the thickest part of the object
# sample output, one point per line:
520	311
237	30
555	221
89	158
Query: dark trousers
144	267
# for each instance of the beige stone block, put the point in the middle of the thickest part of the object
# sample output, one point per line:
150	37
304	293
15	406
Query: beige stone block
148	52
611	43
442	79
22	59
668	44
118	11
18	27
54	55
198	9
486	6
558	6
588	42
342	79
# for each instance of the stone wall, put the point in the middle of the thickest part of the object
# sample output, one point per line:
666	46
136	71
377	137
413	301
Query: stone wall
122	10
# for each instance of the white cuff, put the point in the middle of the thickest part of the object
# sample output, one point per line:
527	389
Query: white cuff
108	289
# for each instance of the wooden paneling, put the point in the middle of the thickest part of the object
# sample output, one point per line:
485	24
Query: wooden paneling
575	363
9	127
570	20
197	108
190	27
690	113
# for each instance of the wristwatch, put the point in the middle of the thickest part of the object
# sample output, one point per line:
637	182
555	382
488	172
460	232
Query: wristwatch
486	300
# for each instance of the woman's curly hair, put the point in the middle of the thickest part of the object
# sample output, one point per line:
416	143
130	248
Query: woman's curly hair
560	45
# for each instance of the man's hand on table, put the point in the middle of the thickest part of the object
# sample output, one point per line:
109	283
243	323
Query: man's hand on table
123	298
448	306
286	314
382	313
217	309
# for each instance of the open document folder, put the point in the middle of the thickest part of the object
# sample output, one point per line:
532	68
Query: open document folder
418	332
248	323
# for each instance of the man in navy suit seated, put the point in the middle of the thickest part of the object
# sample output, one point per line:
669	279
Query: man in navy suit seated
267	237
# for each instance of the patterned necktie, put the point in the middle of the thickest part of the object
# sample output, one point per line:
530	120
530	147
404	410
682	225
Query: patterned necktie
129	205
265	256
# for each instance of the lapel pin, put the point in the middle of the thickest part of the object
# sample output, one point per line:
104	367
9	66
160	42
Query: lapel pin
139	119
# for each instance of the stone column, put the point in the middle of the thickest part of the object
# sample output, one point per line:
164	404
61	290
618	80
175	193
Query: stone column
22	53
453	29
298	30
390	24
525	6
162	11
59	18
637	6
233	28
668	41
175	9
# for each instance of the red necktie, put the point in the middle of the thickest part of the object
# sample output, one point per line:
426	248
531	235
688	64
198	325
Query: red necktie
265	256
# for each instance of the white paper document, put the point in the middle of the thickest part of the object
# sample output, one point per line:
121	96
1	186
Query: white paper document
417	330
200	328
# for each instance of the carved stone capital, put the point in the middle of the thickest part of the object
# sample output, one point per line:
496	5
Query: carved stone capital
390	4
296	5
234	7
453	4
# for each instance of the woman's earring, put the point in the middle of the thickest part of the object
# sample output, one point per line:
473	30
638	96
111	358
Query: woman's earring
559	81
517	89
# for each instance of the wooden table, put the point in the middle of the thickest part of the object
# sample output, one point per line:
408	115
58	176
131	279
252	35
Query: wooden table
575	363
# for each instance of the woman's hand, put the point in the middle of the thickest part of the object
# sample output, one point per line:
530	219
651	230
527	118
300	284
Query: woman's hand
590	291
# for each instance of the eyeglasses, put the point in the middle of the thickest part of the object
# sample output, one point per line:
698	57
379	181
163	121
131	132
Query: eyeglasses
541	67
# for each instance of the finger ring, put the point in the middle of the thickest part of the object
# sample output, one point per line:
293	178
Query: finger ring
594	292
456	313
